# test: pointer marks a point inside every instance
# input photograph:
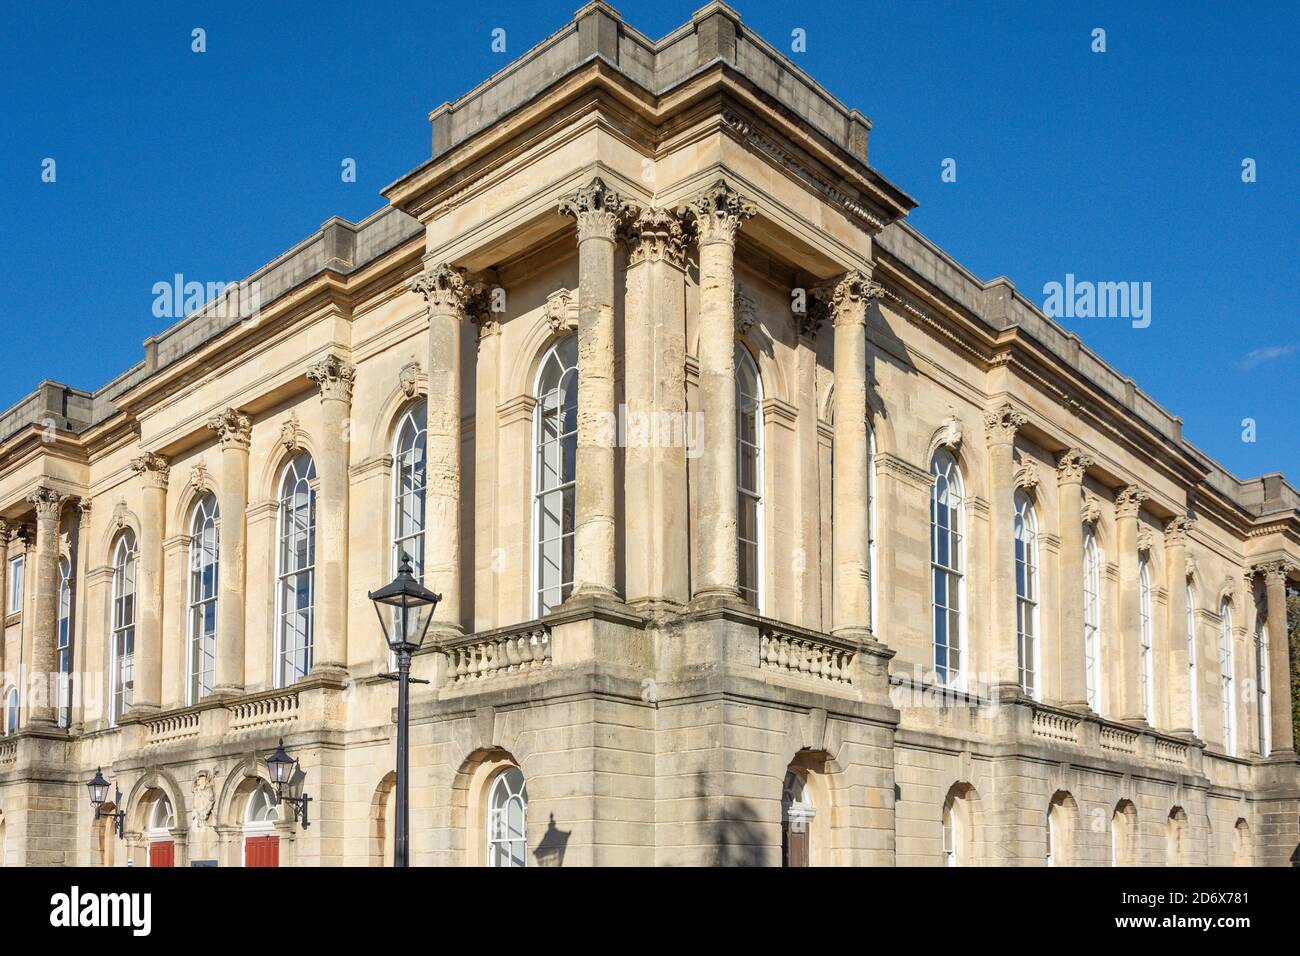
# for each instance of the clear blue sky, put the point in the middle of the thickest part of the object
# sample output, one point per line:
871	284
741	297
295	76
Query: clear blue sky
1122	166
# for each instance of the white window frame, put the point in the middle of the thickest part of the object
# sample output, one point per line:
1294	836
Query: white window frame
503	784
952	834
123	622
944	466
1194	691
261	811
410	460
206	517
63	644
1092	649
1227	679
298	473
17	568
755	595
1028	652
11	712
1146	661
553	548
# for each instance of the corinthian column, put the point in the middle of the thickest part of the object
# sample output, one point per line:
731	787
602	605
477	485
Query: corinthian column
153	471
851	613
334	378
1180	691
718	212
234	430
1279	658
451	297
1000	427
598	211
42	703
1071	466
1128	502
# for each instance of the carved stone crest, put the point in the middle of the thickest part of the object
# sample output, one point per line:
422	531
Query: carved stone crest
204	798
562	310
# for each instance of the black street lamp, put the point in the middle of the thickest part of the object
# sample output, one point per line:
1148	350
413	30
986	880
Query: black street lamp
408	598
287	777
98	788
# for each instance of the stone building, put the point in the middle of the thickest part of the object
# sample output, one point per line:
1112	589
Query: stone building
765	531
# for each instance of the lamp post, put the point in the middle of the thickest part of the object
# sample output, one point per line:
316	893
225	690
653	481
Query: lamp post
408	598
98	788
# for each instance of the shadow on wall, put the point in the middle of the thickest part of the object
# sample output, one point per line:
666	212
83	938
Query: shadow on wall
550	849
737	831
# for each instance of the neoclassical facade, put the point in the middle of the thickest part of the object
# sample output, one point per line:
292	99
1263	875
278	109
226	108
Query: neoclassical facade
766	533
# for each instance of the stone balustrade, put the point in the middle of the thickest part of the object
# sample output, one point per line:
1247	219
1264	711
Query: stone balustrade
1055	725
263	711
499	653
821	658
168	728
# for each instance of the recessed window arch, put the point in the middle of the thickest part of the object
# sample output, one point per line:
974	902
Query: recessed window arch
1192	689
1262	675
798	811
947	568
1227	679
1027	646
749	477
958	820
1123	834
555	443
122	662
1060	830
507	822
261	837
1092	618
873	565
296	571
64	645
204	569
1176	837
1241	852
160	822
1146	661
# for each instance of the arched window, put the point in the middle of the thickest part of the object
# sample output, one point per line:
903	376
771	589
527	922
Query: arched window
1241	843
1060	831
11	711
65	642
1227	684
507	823
1123	835
204	543
122	678
261	839
797	814
162	848
873	566
1175	837
1092	618
749	477
958	826
1191	659
947	567
1027	595
555	430
296	571
1146	671
1262	676
408	498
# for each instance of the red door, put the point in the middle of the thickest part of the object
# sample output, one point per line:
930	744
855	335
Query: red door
162	853
262	851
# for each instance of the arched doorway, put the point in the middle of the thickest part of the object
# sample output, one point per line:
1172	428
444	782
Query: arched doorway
797	814
261	838
383	808
161	821
508	819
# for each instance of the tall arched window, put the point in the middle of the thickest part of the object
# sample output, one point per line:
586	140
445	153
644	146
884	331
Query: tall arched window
947	568
1060	830
507	823
1092	618
122	677
798	811
873	566
65	642
1227	683
749	477
204	543
1027	594
959	826
11	711
1146	664
296	571
408	498
1192	689
1262	676
555	431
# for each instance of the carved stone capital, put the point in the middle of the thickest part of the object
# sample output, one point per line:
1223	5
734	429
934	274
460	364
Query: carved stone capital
1001	424
334	378
658	235
848	296
817	310
1128	501
1274	573
234	429
1176	530
718	212
448	290
154	469
598	210
48	504
1072	465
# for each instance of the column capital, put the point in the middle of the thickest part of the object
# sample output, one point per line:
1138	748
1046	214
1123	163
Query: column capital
598	210
154	469
334	377
83	512
1274	573
48	503
1176	530
718	212
448	289
1071	465
1002	423
658	235
1128	501
233	428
